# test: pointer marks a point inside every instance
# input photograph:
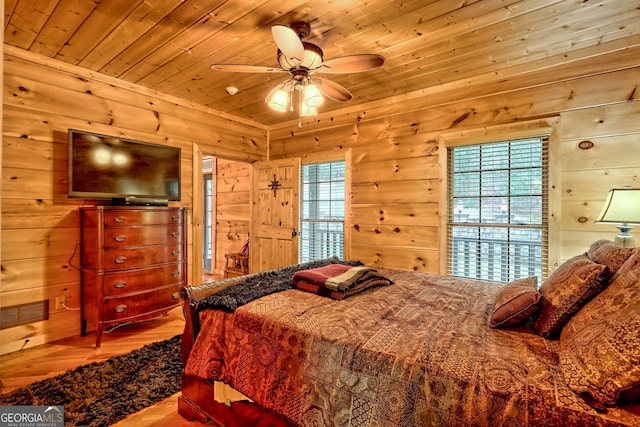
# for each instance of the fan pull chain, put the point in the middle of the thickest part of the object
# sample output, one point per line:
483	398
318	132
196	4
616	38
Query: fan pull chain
293	86
299	109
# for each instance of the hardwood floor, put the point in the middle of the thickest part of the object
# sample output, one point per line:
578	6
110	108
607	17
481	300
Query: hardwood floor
32	364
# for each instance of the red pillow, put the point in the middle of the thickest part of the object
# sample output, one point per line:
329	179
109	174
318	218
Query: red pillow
515	302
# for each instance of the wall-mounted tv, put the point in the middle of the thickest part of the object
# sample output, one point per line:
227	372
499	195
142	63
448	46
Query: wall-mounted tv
103	167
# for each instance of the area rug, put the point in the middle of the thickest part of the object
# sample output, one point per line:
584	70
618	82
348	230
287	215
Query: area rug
103	393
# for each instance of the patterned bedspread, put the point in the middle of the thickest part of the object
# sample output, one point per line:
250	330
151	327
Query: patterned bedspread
415	353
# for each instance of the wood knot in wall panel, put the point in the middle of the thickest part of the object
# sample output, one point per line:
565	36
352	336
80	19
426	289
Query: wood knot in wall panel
585	145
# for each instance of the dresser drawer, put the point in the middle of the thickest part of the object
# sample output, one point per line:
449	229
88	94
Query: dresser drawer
129	306
138	257
124	217
119	237
143	279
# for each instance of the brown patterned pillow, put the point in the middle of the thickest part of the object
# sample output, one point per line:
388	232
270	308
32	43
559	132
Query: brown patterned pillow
600	347
568	289
515	302
609	253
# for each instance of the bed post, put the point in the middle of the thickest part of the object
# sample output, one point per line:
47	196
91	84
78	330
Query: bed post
190	328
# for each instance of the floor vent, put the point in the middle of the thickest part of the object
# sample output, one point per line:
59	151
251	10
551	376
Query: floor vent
24	313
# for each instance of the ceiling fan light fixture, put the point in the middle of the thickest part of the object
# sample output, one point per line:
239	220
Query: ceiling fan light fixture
313	56
301	60
278	99
312	96
285	62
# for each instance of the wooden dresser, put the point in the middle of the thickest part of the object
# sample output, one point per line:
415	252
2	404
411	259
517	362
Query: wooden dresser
134	263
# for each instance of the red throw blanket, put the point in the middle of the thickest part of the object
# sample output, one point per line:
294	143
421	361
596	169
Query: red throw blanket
338	281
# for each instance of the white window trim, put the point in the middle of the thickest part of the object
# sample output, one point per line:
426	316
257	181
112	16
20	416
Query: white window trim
543	127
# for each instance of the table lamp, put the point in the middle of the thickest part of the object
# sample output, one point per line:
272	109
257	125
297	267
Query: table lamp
622	207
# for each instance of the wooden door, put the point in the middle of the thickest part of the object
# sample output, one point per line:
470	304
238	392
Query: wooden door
275	214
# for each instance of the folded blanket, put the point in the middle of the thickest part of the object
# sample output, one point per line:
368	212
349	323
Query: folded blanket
338	281
258	285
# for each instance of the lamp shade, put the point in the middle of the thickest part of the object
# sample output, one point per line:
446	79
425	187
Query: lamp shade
312	96
621	207
278	98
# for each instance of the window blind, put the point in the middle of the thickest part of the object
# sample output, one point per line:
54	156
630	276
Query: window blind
322	211
497	222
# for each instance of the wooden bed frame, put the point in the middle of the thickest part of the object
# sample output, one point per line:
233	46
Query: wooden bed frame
205	400
198	399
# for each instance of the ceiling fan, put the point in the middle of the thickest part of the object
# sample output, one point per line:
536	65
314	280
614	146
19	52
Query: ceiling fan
302	60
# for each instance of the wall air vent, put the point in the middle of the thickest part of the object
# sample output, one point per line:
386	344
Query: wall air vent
24	313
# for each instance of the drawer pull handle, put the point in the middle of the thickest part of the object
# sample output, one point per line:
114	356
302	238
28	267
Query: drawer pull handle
175	253
175	218
120	284
175	234
120	218
120	308
120	259
176	295
120	238
175	274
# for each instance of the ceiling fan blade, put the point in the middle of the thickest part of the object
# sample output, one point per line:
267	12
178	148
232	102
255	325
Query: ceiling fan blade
238	68
332	89
288	42
352	64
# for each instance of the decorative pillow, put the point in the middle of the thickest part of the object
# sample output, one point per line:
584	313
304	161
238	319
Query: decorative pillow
600	347
569	288
609	253
515	302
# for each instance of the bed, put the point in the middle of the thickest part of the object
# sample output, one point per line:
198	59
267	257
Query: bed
421	350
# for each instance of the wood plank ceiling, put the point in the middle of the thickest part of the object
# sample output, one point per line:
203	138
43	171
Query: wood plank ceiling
169	45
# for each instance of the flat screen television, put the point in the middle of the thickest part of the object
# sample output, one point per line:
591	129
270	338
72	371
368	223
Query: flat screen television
103	167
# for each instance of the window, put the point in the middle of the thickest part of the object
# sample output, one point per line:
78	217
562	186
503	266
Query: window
322	211
497	213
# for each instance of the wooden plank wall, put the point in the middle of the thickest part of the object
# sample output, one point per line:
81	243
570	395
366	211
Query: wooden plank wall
395	177
40	225
394	168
